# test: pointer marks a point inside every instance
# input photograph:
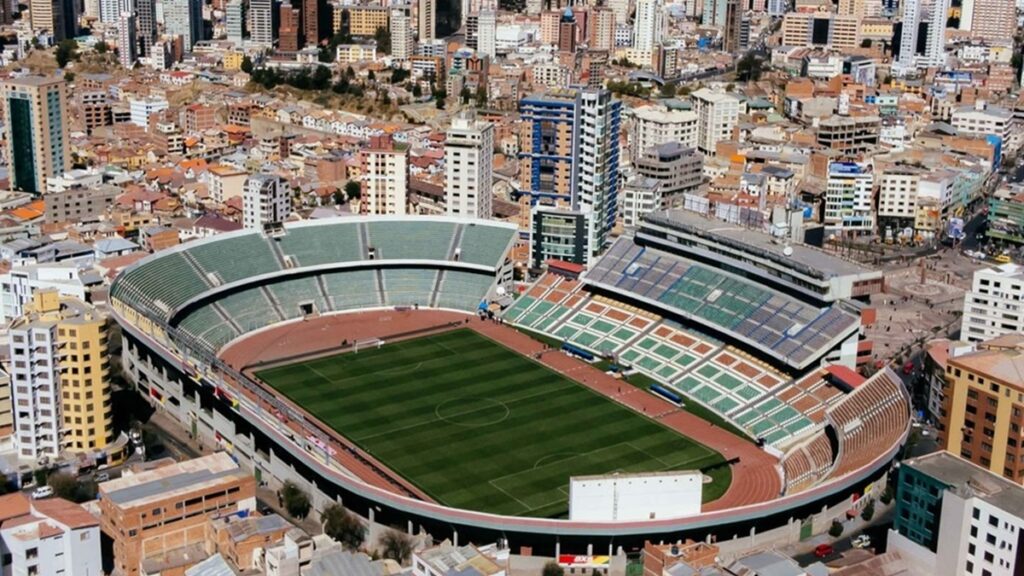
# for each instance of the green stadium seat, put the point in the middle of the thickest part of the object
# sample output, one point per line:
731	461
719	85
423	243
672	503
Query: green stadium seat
322	244
408	286
484	245
237	258
410	240
351	289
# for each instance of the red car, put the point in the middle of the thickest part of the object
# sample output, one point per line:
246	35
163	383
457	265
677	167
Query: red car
824	551
908	368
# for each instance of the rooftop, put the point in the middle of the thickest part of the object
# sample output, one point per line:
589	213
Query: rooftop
808	256
171	480
972	480
1001	359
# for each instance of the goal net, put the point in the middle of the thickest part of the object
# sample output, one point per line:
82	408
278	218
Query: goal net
369	343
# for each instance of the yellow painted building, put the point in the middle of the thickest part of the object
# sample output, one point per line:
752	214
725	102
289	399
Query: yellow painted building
362	20
85	380
233	60
983	406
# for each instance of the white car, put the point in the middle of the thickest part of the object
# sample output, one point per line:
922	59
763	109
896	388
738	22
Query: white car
862	541
42	492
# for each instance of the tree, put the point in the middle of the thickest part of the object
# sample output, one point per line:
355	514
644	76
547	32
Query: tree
481	96
350	73
749	68
868	512
383	38
101	47
416	90
668	90
552	569
295	500
66	487
247	65
465	94
353	190
836	530
440	95
886	495
69	77
67	51
343	526
371	76
321	78
396	546
865	43
398	75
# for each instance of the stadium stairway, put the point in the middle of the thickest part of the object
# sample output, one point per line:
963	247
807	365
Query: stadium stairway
284	263
324	294
381	295
435	292
456	242
273	302
227	317
364	242
207	277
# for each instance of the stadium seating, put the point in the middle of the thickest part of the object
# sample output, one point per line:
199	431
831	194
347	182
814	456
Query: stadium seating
236	258
463	290
484	244
408	286
161	284
791	330
322	244
404	240
208	328
807	463
875	414
292	294
351	290
250	309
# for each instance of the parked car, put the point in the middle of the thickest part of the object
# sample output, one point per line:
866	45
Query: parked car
862	541
824	551
42	492
102	477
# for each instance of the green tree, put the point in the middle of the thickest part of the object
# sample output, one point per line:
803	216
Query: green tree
353	190
398	75
383	38
101	47
296	502
868	512
66	487
865	43
416	90
247	65
396	546
552	569
350	73
836	530
668	90
371	76
321	78
69	76
481	96
67	51
886	496
465	94
343	526
749	68
440	95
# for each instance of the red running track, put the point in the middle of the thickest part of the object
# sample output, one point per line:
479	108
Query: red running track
755	478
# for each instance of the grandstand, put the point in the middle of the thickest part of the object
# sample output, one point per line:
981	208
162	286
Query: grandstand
221	288
789	330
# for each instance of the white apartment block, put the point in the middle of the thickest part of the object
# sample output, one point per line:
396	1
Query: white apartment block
403	42
848	198
385	181
978	516
656	125
140	109
982	119
639	196
486	41
897	192
35	388
648	24
50	537
261	20
993	307
717	115
226	182
18	285
234	19
264	201
469	168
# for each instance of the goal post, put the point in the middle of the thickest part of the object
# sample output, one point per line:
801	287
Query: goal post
367	343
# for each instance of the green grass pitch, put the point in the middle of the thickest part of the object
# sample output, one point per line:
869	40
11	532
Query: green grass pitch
479	426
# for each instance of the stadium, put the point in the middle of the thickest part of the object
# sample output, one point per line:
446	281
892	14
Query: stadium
383	363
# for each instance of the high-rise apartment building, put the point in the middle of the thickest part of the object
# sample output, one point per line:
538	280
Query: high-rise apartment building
926	17
983	406
264	201
656	125
648	24
602	28
59	377
385	177
263	20
992	307
714	13
989	19
126	36
235	21
569	157
469	167
60	17
184	18
849	198
35	108
567	30
290	32
717	114
145	26
313	12
487	26
403	42
426	19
